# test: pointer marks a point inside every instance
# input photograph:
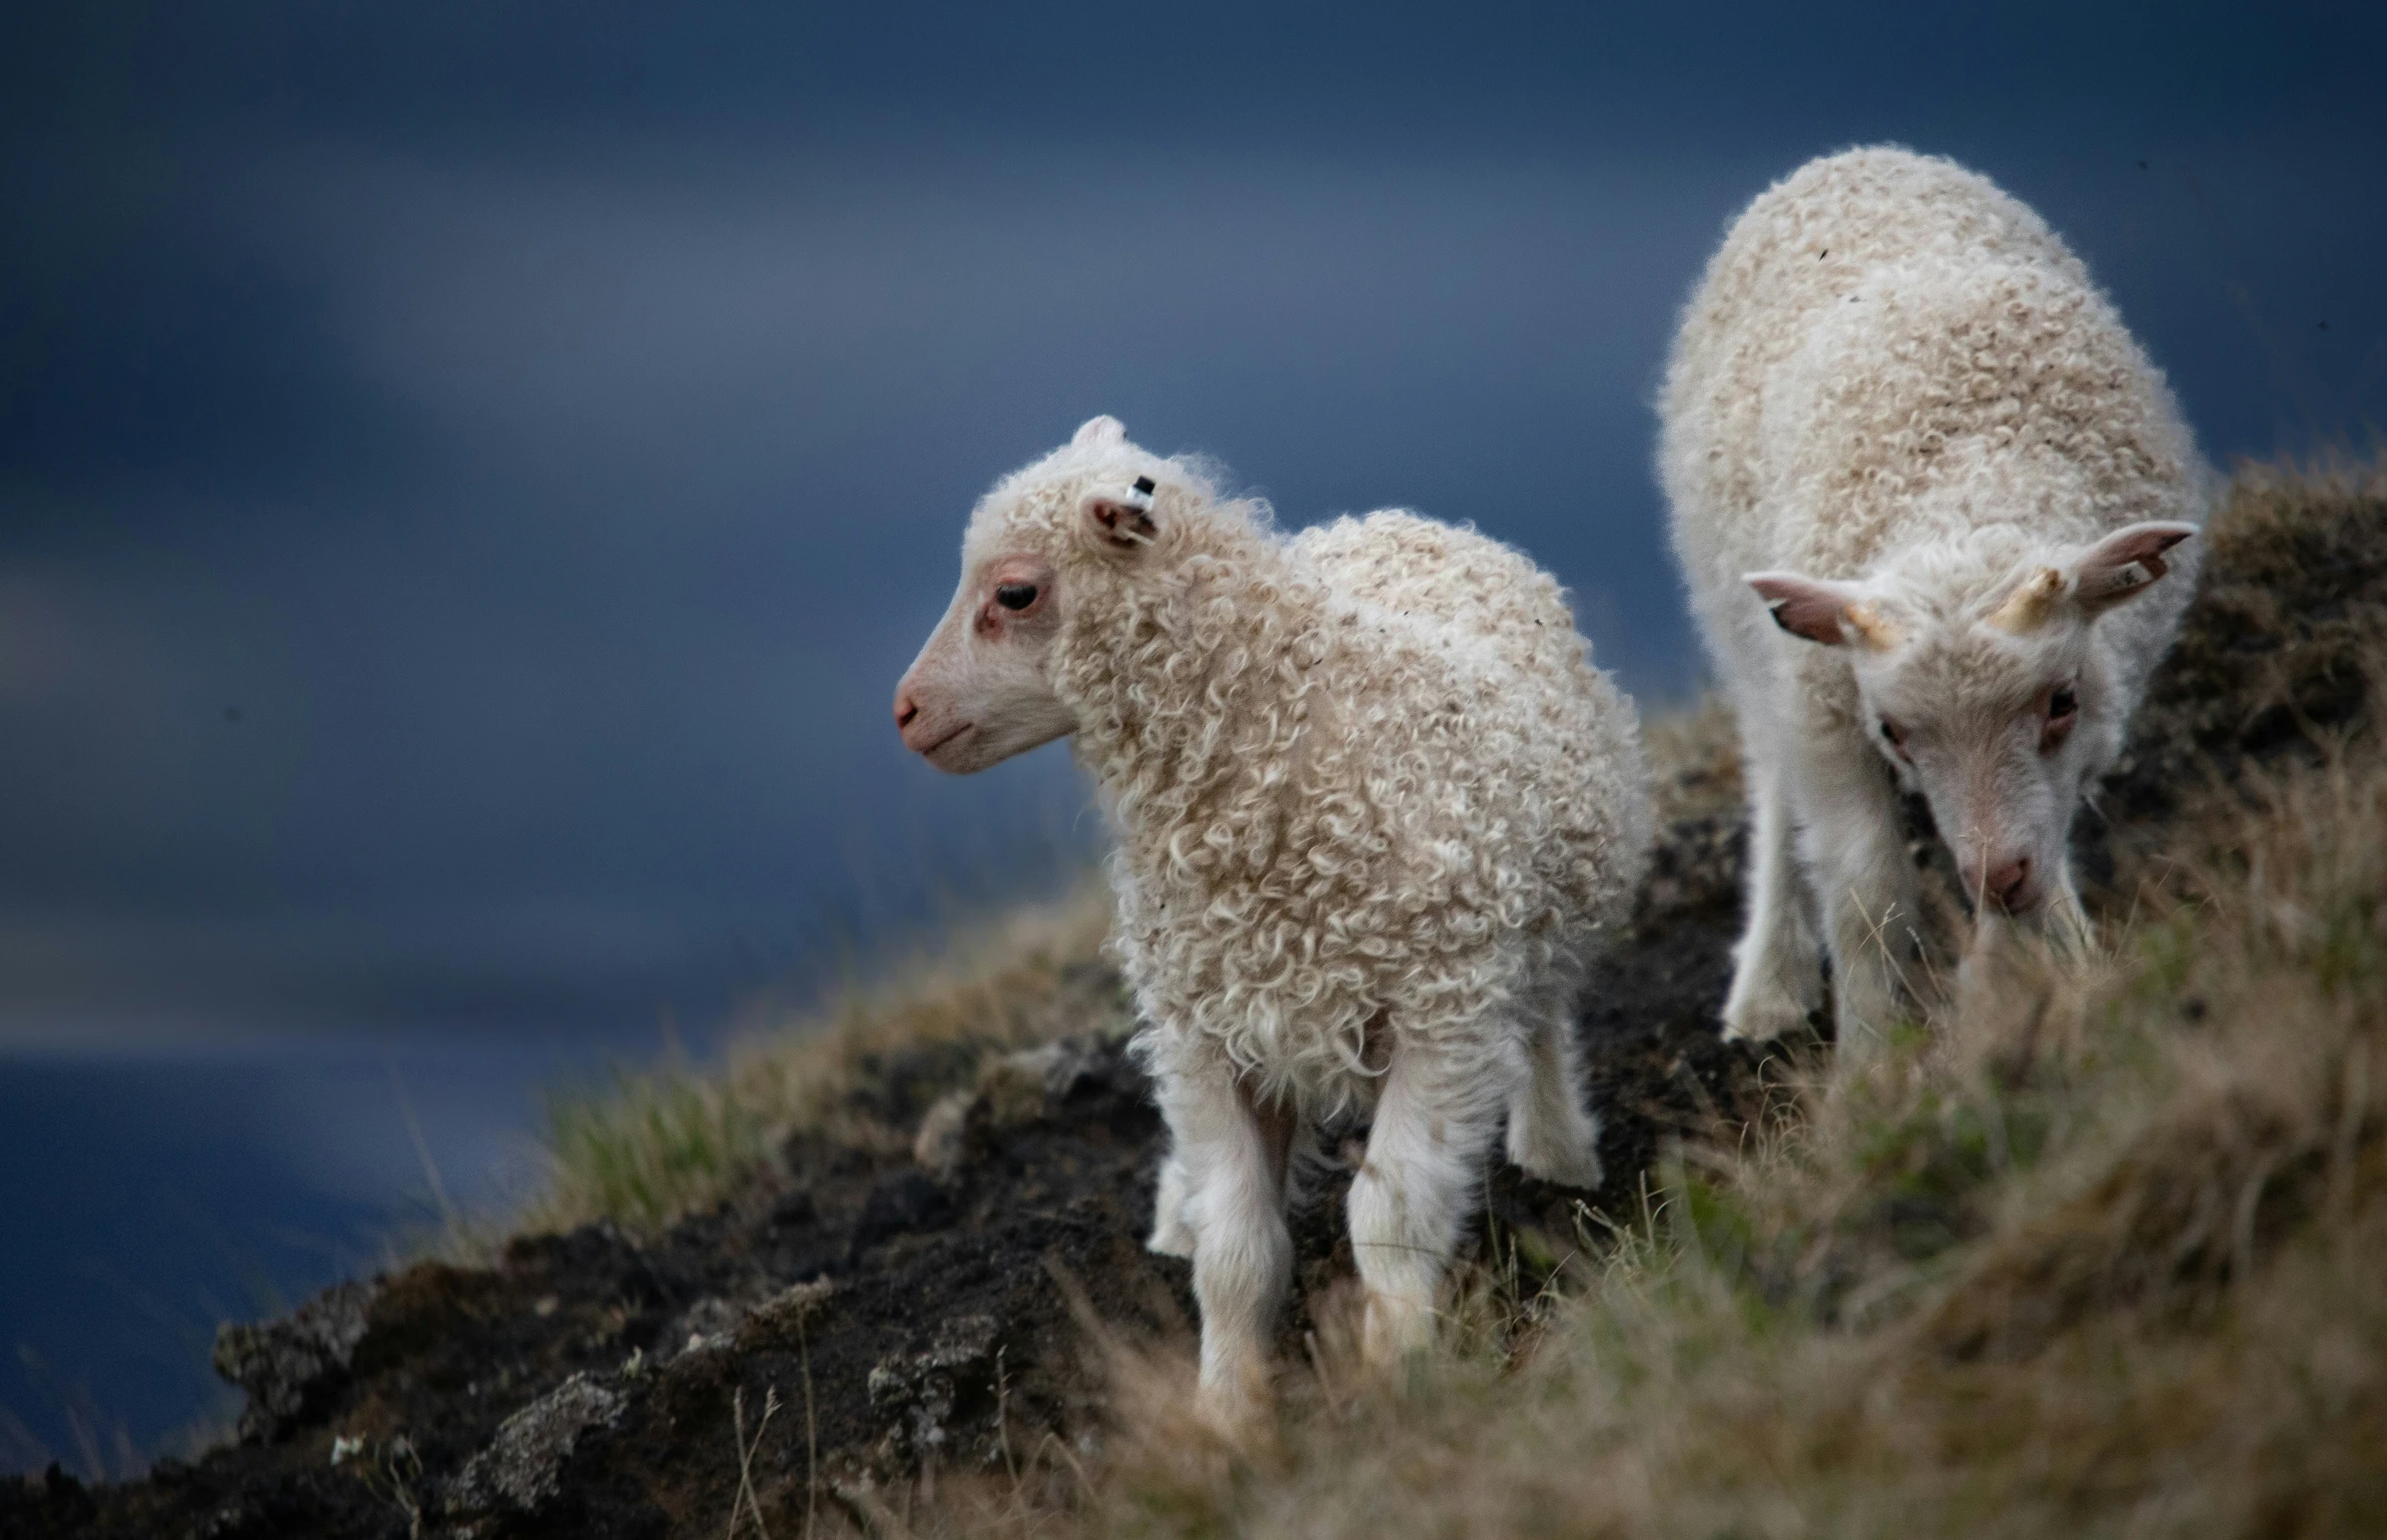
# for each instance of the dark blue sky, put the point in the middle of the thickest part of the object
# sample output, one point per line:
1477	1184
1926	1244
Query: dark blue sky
546	426
470	473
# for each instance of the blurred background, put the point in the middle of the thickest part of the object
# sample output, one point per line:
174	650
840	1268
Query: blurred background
471	474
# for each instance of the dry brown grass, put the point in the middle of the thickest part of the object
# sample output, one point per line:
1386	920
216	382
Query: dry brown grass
2099	1255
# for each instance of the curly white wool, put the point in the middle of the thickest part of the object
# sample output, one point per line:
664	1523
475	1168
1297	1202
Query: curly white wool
1896	382
1375	811
1366	786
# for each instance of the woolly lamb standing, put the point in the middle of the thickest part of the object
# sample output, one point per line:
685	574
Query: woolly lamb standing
1374	812
1926	493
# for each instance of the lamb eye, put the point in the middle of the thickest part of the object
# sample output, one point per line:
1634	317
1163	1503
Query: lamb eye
1896	734
2062	704
1016	596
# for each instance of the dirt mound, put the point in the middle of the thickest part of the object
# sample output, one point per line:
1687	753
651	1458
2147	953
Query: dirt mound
866	1313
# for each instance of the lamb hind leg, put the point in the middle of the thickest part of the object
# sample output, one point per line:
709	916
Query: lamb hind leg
1230	1152
1433	1125
1172	1235
1552	1135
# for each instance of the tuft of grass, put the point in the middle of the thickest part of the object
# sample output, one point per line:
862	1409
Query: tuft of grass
659	1145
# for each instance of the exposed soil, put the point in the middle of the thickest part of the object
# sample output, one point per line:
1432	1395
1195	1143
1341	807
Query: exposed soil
897	1316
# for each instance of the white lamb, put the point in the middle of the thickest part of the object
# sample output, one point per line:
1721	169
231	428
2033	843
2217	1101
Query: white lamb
1375	809
1900	412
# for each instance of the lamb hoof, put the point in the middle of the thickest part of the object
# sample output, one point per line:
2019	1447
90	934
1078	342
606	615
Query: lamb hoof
1575	1169
1239	1410
1762	1020
1563	1162
1172	1238
1395	1328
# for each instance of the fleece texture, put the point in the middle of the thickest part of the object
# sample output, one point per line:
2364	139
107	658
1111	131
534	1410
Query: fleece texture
1366	785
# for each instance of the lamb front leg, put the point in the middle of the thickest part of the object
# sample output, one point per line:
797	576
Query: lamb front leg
1856	851
1229	1153
1777	974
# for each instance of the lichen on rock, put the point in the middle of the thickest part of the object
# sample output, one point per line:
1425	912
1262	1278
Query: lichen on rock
282	1363
921	1391
522	1467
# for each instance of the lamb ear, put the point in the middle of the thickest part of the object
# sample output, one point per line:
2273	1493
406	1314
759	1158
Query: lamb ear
1124	518
2125	564
1100	432
1833	614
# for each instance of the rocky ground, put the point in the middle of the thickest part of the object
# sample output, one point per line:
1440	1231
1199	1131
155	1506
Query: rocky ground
860	1321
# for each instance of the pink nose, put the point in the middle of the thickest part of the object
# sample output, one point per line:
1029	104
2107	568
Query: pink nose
2009	884
905	708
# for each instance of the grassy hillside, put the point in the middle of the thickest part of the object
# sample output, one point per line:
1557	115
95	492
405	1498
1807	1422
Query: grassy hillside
2094	1251
2090	1252
2088	1255
676	1142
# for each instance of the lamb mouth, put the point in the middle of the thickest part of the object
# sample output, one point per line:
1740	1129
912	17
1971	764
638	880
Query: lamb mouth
931	750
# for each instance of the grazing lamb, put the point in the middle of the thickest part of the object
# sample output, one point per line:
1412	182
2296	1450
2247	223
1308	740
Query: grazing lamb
1925	489
1374	812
